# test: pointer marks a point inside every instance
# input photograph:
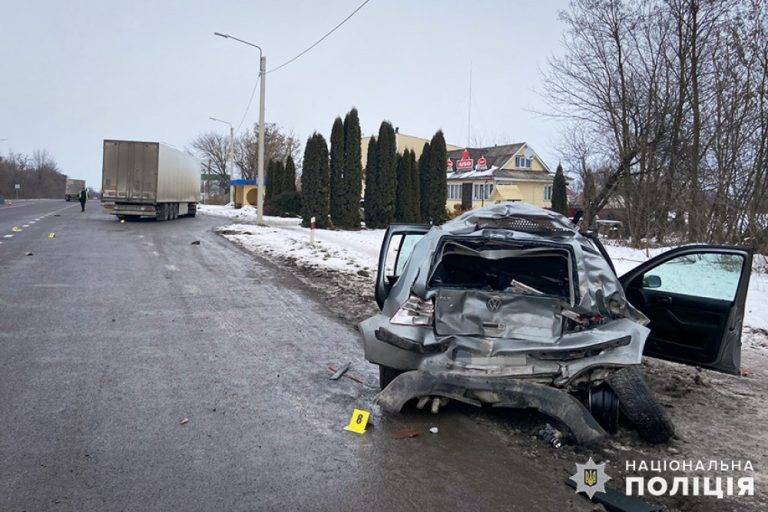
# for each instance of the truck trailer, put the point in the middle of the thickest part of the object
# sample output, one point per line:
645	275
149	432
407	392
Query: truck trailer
149	179
72	189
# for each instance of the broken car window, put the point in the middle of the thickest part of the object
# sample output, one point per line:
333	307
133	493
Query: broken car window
504	267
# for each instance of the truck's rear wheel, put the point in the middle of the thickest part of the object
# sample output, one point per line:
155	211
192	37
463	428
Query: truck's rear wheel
191	209
160	212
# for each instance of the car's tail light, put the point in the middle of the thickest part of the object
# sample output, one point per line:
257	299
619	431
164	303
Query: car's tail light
415	311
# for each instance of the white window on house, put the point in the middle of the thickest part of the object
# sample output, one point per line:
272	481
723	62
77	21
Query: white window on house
482	191
522	162
454	191
548	193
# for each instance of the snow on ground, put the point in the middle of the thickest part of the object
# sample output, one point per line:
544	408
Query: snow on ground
358	251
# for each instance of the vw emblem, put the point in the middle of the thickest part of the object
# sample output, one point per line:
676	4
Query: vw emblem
494	304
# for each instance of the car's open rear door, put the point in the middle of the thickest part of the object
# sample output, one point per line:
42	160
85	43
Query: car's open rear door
397	245
695	298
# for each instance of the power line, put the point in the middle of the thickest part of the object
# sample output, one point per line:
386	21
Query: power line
321	39
256	85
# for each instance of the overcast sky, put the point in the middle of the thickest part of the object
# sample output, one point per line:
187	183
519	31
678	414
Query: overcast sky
77	72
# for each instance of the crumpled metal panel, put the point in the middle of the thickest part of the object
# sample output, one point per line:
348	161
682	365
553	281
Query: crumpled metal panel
497	315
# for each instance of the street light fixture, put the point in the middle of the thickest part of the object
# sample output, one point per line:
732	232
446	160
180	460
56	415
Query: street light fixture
230	157
262	76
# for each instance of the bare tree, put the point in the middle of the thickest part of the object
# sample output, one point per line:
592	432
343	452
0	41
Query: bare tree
278	144
672	93
213	149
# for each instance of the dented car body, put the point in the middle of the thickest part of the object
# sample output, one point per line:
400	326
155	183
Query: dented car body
510	305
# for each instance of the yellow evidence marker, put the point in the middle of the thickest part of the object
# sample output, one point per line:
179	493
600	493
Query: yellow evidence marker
51	235
358	421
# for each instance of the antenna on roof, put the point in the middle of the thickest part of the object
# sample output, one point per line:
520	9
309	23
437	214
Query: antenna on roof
469	105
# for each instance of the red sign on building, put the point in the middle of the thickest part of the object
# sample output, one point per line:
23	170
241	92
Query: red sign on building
449	165
465	163
482	164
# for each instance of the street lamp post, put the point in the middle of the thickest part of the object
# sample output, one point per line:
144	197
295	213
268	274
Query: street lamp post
230	158
262	95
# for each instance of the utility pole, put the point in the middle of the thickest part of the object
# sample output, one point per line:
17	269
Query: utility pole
260	183
262	96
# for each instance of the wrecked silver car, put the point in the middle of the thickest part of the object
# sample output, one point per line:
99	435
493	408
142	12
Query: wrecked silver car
512	306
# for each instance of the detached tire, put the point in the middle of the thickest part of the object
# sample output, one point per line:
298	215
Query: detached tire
640	407
387	375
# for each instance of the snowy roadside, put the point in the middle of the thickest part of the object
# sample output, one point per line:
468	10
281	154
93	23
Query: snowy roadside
357	252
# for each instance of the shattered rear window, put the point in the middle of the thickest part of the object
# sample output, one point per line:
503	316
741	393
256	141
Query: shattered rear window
503	267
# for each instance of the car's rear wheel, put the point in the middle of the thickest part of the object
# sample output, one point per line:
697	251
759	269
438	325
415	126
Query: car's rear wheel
640	406
387	375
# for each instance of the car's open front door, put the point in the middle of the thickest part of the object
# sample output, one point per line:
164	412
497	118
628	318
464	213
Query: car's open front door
397	245
694	297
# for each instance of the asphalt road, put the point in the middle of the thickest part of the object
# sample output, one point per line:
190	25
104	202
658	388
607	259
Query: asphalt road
111	333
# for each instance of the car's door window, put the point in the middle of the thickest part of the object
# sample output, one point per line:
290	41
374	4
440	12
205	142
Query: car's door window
707	275
400	248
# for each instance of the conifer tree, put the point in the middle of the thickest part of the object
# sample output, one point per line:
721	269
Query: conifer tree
559	196
353	172
402	195
337	172
315	182
371	175
269	180
380	212
437	192
290	174
423	172
414	214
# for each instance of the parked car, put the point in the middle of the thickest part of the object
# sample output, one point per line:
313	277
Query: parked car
512	306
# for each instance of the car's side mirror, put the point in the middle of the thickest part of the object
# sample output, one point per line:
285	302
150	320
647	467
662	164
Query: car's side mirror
651	281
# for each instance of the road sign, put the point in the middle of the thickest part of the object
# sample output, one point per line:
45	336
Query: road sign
482	164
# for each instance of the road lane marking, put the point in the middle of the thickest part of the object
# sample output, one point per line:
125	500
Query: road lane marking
7	236
25	225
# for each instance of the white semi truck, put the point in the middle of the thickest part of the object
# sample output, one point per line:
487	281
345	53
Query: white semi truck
73	188
149	179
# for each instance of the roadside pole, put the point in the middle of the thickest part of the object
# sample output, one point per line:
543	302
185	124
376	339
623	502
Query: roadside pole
260	183
231	163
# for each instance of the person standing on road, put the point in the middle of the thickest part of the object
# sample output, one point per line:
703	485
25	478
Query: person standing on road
83	196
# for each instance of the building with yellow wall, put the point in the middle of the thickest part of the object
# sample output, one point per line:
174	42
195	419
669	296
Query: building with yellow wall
510	172
403	142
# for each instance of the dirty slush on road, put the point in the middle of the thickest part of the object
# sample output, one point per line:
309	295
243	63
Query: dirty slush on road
714	414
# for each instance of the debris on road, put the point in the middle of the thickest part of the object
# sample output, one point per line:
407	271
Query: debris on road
15	229
550	435
434	430
196	242
345	374
29	254
341	371
405	433
184	421
51	235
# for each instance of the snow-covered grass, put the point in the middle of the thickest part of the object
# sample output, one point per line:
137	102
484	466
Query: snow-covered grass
354	251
